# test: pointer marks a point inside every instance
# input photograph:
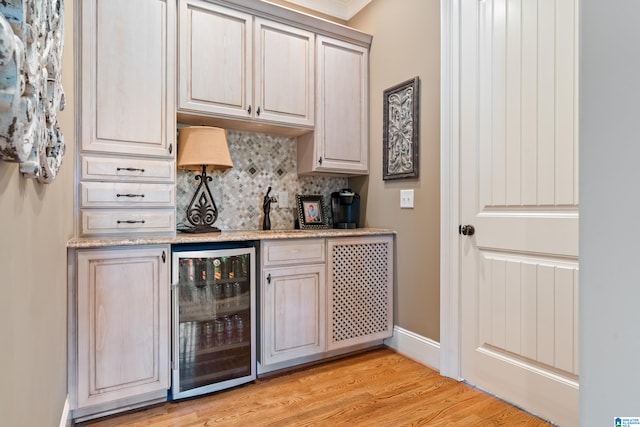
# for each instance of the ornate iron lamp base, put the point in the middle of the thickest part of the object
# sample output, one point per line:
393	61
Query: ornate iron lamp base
200	229
202	211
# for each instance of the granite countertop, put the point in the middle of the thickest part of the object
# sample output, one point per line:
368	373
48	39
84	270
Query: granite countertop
224	236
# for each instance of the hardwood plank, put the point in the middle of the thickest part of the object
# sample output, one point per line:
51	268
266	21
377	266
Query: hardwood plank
376	388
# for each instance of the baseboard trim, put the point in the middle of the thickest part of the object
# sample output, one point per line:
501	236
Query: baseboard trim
65	419
421	349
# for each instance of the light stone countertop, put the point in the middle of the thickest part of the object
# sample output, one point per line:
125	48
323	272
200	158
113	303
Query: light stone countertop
224	236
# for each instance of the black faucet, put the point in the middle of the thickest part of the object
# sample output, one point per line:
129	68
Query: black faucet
266	207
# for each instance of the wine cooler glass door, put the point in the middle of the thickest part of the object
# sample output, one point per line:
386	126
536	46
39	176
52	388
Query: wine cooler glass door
213	320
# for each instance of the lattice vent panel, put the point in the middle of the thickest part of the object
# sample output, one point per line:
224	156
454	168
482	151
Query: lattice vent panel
360	291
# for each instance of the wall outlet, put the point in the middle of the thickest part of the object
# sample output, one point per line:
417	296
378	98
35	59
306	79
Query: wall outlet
406	199
283	199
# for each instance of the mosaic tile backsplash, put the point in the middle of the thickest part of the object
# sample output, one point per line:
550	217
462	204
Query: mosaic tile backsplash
259	161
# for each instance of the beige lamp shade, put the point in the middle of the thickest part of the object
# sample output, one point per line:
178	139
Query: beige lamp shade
203	145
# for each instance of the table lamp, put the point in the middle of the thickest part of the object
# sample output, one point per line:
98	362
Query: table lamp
202	148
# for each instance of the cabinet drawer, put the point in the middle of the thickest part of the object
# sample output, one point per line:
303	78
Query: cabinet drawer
123	169
127	221
294	251
122	194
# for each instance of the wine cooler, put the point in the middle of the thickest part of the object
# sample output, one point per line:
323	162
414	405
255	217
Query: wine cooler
214	318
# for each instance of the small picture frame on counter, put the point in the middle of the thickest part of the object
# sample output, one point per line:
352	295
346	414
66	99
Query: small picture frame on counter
311	213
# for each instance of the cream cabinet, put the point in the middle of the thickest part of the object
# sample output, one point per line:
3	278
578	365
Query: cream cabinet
120	329
294	318
340	141
323	297
292	300
360	290
236	66
127	89
127	118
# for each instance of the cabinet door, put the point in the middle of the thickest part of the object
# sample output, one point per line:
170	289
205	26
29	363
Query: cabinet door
215	48
360	306
293	312
340	141
122	324
284	69
127	76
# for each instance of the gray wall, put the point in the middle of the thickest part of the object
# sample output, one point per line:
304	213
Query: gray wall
609	189
36	220
406	43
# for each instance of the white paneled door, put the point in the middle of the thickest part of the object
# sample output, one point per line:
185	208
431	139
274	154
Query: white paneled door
519	190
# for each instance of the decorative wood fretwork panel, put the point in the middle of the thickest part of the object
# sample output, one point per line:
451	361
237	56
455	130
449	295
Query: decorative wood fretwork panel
360	294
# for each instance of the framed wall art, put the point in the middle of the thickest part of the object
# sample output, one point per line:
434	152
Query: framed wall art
311	213
401	130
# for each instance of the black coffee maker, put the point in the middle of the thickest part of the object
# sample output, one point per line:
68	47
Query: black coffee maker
345	207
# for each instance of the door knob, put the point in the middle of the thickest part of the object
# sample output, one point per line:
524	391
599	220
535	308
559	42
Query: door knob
466	230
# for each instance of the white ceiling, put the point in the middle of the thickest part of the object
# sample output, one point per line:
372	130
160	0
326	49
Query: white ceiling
343	9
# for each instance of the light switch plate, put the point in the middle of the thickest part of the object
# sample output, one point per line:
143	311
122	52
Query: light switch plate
406	199
283	199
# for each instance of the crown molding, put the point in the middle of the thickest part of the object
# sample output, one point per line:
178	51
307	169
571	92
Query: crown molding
342	9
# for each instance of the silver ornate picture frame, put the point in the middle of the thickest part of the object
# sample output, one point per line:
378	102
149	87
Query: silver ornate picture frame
401	130
311	214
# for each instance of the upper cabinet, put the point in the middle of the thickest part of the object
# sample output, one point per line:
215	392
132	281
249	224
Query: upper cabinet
340	142
127	118
284	73
235	66
128	102
214	60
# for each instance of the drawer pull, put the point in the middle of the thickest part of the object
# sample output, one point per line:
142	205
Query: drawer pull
130	169
129	195
130	221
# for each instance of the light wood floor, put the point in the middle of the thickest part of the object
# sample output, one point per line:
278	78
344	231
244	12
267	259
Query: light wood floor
376	388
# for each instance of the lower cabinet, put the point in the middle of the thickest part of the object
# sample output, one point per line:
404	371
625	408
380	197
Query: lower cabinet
323	297
360	290
120	330
319	298
294	320
292	301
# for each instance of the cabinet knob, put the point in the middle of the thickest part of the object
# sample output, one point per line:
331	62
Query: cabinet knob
320	160
249	109
171	148
269	278
258	111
